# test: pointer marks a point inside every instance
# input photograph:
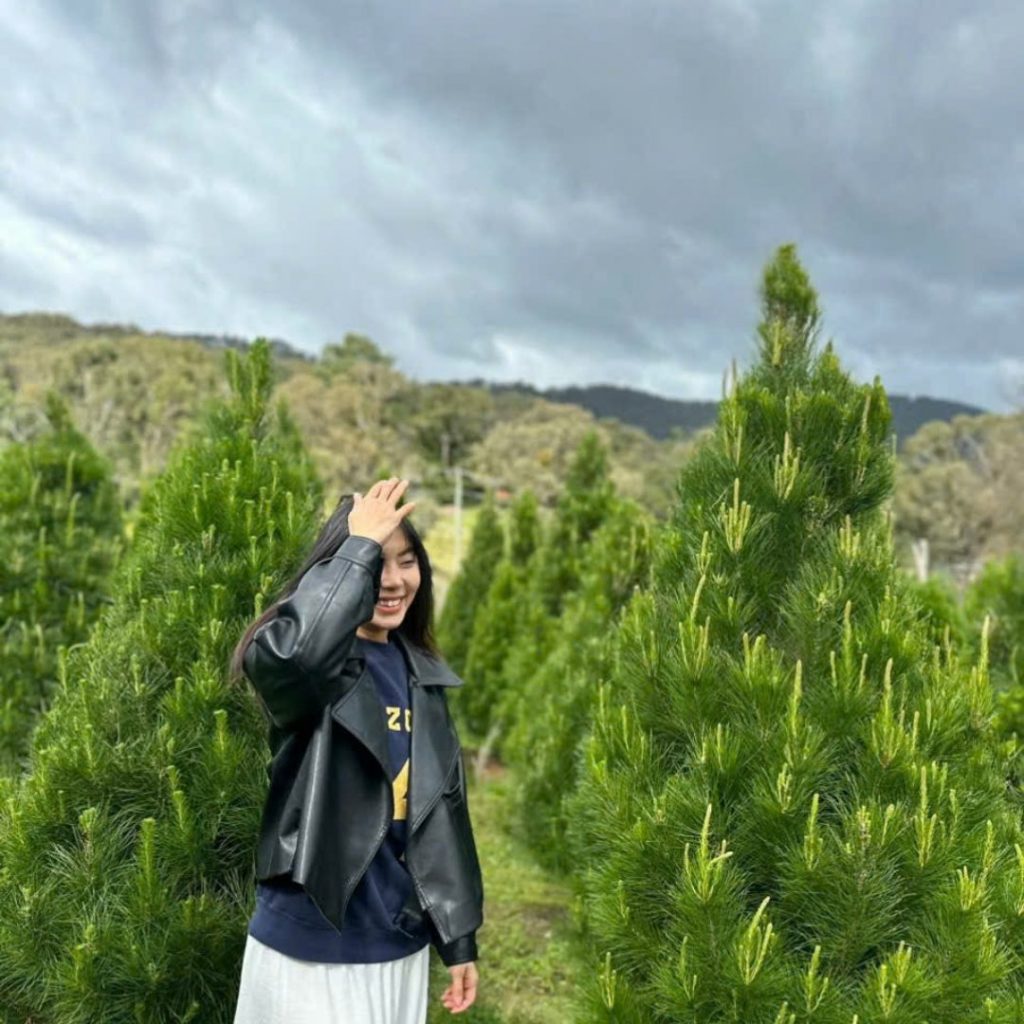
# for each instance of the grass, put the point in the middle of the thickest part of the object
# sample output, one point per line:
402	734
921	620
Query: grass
525	944
526	962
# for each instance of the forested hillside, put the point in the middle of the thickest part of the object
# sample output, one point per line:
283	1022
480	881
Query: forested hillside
132	392
662	417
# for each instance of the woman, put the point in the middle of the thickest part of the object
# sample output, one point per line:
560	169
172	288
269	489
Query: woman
366	852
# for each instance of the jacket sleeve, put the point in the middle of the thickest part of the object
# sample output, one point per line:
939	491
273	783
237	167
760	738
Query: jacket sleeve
294	660
460	950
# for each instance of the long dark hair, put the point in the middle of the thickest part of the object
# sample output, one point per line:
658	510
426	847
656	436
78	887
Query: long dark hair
416	626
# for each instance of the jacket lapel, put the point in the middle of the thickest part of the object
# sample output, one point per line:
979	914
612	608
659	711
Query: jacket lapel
425	669
434	744
360	711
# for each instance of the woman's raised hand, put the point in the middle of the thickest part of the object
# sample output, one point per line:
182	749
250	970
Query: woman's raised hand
374	514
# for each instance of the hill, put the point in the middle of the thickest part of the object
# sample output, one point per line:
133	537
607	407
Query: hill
132	392
660	416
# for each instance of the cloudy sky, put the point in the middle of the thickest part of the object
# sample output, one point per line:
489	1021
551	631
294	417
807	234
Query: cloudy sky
564	193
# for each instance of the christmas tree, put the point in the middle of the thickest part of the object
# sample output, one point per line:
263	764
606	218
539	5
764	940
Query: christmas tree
944	610
583	506
791	805
496	623
552	576
524	533
552	710
127	849
469	588
997	594
60	538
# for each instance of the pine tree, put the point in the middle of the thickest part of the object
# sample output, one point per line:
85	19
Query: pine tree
553	575
791	806
495	624
944	611
552	711
127	848
60	538
997	594
469	588
583	505
524	529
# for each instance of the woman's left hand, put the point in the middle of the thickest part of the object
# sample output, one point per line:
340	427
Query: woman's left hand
461	993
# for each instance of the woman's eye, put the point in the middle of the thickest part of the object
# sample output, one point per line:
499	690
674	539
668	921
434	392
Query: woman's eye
407	565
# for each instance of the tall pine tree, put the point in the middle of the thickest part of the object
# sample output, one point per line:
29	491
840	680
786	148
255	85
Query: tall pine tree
495	623
552	575
60	538
469	588
943	608
549	715
792	807
997	594
582	507
126	850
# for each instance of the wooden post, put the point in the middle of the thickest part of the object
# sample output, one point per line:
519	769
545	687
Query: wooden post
920	550
458	519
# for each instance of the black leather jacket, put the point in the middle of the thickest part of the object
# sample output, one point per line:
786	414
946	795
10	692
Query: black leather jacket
330	799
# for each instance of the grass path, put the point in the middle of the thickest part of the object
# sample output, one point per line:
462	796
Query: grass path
525	944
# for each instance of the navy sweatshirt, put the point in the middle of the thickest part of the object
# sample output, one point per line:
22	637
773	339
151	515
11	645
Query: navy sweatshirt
374	927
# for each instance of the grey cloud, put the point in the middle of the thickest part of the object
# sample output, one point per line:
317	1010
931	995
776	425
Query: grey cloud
599	186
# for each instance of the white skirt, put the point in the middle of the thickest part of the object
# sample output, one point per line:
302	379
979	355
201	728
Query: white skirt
278	989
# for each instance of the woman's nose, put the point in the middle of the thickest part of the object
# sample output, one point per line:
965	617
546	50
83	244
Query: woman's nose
391	577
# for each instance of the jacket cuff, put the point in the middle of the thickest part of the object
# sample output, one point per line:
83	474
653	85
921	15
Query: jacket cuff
364	551
459	951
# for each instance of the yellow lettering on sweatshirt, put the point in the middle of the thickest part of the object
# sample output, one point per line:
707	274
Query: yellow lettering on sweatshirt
400	788
395	716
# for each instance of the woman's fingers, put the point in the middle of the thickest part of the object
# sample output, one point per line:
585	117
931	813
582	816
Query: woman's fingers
390	489
382	488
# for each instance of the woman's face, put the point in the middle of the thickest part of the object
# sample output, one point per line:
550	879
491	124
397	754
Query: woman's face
399	581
